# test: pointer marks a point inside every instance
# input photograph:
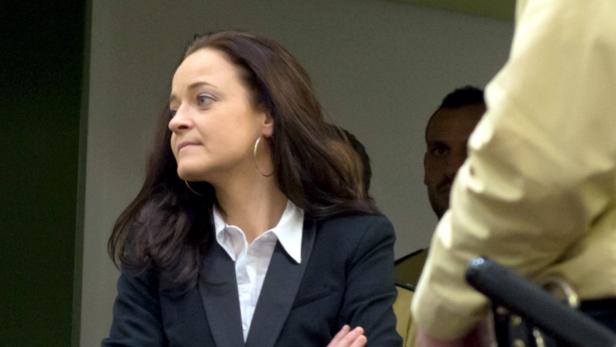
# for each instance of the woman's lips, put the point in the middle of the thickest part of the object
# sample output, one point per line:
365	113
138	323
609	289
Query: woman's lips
187	144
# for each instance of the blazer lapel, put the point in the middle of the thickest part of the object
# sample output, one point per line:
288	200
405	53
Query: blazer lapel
280	287
218	289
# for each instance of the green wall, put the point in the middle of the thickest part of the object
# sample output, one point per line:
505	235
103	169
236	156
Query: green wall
500	9
41	66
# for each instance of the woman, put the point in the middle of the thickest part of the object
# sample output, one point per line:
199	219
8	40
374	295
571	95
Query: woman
252	227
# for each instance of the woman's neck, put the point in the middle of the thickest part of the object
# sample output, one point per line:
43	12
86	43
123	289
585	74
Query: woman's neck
255	205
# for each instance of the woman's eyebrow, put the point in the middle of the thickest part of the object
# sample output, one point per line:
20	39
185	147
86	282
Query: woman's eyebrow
192	86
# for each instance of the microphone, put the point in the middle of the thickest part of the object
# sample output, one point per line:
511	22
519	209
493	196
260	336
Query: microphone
535	305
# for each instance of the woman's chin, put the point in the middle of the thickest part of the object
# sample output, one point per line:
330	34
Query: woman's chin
188	173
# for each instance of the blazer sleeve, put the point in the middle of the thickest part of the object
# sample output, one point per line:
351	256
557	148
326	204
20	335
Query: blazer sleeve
370	291
136	313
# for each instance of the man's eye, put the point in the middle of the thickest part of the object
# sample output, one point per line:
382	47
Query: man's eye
439	151
205	100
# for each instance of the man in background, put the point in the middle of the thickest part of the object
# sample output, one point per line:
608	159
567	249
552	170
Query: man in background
446	136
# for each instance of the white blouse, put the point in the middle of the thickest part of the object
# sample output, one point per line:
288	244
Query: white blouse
252	261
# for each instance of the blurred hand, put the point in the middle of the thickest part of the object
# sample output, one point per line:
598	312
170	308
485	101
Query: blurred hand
424	340
349	338
480	336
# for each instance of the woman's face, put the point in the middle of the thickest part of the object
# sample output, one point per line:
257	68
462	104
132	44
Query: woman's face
214	123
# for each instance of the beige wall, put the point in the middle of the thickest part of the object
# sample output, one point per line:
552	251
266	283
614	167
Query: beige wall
380	68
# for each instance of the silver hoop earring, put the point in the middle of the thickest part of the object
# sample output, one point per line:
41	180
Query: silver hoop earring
254	158
191	189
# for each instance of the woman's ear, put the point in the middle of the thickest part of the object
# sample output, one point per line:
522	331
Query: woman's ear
267	128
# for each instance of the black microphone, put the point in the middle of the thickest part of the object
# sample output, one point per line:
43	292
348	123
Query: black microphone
535	305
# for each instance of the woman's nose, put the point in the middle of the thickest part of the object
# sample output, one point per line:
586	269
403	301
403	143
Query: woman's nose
179	121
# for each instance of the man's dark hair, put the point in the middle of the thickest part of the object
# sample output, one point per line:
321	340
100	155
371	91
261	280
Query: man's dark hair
464	96
467	95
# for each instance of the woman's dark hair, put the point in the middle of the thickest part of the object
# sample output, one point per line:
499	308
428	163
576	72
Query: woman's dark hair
167	227
364	158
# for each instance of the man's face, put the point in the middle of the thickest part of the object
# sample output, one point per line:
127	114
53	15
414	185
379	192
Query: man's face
446	139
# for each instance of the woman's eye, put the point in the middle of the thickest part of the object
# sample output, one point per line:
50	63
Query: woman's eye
172	113
205	100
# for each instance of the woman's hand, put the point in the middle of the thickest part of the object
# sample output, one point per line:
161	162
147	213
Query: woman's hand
349	338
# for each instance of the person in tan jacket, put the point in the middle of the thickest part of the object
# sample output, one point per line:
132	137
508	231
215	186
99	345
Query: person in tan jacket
538	190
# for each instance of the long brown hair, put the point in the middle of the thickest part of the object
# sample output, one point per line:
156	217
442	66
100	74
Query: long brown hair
167	227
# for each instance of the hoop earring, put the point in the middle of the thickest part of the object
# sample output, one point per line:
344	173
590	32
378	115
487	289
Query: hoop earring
254	158
191	189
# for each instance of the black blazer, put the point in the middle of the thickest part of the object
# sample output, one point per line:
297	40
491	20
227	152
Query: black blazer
345	277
